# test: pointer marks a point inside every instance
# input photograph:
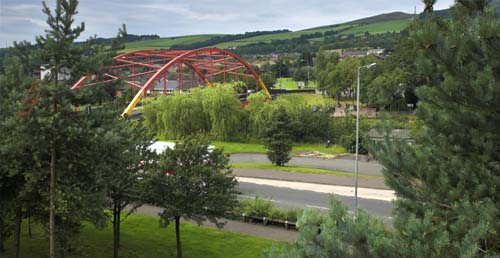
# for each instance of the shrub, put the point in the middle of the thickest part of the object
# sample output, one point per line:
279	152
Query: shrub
259	207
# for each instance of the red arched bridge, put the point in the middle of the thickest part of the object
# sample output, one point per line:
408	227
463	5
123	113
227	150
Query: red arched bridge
147	70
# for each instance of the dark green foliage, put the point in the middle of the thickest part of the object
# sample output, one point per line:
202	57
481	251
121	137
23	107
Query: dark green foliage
225	38
305	74
259	207
194	183
216	111
334	41
278	138
343	132
339	235
127	157
269	79
448	181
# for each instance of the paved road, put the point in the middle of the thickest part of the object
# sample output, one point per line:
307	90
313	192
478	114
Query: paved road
309	178
259	230
365	168
291	198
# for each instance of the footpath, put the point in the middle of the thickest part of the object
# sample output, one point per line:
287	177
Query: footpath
274	233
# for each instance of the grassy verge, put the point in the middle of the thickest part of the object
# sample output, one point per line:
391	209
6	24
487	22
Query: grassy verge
142	237
236	147
290	84
295	169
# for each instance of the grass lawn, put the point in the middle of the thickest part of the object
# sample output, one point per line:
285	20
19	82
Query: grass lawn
295	169
291	84
236	147
142	237
312	99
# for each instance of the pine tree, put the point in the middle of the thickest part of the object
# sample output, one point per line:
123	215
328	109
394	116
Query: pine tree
447	182
339	235
278	139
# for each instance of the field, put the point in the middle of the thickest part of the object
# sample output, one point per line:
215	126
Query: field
142	237
271	37
290	84
164	43
372	28
313	99
380	27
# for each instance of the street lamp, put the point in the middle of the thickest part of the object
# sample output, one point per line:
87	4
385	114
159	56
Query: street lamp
357	139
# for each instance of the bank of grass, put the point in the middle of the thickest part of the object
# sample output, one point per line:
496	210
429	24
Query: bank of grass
236	147
142	237
291	84
296	169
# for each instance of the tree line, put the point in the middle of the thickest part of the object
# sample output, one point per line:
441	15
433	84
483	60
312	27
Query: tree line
62	166
446	181
224	38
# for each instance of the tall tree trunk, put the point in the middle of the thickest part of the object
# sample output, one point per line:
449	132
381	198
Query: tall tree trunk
52	208
29	223
2	249
116	229
178	236
118	225
17	232
52	223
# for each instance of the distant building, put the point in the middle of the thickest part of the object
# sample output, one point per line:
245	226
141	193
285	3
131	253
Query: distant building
45	73
400	134
378	52
172	87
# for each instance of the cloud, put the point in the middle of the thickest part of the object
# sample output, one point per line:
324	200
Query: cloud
185	17
8	20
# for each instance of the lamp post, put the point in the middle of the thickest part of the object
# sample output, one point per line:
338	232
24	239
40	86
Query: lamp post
357	139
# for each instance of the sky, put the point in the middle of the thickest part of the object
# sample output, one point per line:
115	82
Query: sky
23	19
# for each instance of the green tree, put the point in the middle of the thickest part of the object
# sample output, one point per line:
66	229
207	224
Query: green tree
194	182
57	48
123	166
338	235
269	79
446	183
324	70
15	147
279	137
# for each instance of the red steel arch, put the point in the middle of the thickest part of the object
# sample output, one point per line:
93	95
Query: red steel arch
146	69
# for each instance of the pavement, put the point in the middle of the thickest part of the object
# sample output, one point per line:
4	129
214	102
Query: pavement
370	168
253	229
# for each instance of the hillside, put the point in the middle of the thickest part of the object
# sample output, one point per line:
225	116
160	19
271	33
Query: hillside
165	43
379	24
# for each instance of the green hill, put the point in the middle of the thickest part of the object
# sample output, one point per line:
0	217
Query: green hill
379	24
165	43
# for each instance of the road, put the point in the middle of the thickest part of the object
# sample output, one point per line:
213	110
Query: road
293	198
347	165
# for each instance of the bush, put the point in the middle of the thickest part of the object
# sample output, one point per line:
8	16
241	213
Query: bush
259	207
